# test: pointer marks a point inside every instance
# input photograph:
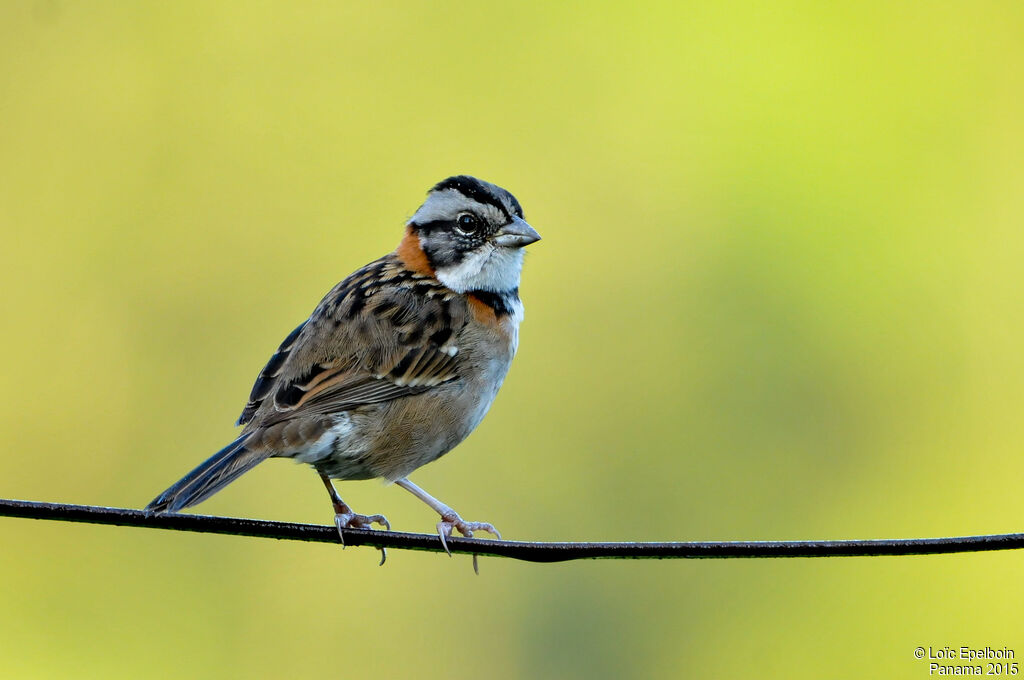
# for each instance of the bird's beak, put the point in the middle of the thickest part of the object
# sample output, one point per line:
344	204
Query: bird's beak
516	234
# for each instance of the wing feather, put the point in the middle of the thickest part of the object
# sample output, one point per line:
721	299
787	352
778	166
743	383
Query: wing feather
381	334
265	381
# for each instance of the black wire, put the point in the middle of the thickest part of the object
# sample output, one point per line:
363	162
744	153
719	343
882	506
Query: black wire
519	550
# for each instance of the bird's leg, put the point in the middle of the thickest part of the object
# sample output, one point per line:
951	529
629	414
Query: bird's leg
449	518
345	518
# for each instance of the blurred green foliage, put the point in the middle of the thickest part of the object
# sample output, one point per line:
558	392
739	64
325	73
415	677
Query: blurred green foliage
779	296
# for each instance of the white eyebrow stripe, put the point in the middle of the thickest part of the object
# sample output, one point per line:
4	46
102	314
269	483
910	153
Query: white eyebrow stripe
446	205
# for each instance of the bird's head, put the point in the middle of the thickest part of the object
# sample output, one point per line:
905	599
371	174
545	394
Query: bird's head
472	234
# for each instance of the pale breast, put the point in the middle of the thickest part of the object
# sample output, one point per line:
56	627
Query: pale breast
392	439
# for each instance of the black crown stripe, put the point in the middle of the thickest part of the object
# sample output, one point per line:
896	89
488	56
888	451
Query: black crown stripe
472	188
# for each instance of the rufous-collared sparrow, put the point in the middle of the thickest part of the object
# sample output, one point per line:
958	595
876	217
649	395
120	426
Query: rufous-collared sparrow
396	365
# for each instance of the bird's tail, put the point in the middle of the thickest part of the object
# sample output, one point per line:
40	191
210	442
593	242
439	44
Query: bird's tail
210	476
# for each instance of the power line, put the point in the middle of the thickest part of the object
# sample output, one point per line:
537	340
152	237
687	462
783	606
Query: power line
518	550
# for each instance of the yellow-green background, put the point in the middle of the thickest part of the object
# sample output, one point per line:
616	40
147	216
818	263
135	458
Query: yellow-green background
779	296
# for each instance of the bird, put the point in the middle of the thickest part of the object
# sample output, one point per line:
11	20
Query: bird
396	365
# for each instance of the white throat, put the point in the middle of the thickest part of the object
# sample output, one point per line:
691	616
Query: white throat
492	268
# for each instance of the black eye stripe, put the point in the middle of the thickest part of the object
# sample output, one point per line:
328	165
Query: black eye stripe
443	243
482	226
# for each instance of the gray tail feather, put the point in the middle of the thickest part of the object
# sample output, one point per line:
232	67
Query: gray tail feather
209	477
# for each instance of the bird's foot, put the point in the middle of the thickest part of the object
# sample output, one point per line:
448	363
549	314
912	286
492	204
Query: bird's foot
451	521
351	520
344	518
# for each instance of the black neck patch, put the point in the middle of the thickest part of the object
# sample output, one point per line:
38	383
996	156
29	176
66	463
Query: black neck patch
503	304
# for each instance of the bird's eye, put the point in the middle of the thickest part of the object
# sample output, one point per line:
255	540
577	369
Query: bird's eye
467	224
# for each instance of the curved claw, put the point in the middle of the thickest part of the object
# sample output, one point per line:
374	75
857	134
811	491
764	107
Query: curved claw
453	521
444	530
350	520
